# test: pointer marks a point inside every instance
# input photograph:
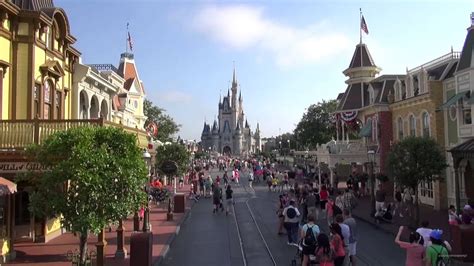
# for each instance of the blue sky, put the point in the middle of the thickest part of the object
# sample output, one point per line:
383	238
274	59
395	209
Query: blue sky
288	54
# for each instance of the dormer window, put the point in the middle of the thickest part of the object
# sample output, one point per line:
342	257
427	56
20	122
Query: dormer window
416	86
397	87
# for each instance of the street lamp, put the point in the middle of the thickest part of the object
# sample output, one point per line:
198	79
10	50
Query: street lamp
146	218
371	157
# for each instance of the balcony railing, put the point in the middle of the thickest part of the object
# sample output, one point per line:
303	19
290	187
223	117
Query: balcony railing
18	134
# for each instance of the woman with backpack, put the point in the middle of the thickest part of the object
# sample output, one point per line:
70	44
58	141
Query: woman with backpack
415	249
324	252
308	234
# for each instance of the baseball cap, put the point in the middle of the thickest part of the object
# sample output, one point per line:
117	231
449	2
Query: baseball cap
436	234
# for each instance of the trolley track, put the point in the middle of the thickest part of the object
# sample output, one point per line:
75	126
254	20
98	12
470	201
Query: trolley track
252	241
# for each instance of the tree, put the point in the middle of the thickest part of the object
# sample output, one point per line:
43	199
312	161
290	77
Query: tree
97	177
315	126
415	160
167	127
173	152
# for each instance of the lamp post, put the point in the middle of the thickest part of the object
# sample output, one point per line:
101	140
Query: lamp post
371	157
146	218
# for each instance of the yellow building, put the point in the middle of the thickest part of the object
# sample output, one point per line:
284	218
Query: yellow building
415	112
37	62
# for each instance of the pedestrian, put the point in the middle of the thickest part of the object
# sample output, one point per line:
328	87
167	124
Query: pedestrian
407	202
415	249
351	222
436	252
201	185
324	252
323	197
311	204
379	200
337	243
346	233
216	199
181	181
226	179
453	218
398	203
291	215
228	199
308	234
349	200
250	178
281	206
425	232
330	211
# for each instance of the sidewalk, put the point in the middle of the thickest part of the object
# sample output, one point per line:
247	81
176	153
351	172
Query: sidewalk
54	252
437	219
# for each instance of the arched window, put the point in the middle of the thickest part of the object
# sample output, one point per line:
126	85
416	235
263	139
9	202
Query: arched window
412	121
425	122
57	104
400	128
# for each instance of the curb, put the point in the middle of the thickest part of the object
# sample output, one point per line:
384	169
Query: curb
371	222
167	246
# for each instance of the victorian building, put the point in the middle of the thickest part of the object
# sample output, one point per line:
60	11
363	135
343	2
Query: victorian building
459	130
41	86
231	133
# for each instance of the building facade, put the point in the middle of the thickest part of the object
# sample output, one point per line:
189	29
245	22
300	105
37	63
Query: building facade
230	134
459	129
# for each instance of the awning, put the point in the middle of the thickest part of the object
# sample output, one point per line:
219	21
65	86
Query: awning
6	187
366	131
453	100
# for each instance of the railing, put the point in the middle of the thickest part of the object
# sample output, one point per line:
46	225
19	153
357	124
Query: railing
448	56
18	134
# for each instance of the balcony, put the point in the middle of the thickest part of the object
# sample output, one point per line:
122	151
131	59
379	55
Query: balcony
18	134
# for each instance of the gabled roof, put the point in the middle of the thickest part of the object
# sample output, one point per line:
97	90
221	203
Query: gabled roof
361	57
451	71
466	55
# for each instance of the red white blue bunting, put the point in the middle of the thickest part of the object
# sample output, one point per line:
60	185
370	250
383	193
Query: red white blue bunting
348	116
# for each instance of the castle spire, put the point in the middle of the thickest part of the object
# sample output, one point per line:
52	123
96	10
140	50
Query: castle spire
234	78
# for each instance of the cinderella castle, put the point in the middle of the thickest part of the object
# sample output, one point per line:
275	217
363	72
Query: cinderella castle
231	134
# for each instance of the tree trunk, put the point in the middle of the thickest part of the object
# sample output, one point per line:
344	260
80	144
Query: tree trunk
83	249
417	209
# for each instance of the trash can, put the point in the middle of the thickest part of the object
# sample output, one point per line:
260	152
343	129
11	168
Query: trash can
141	249
179	203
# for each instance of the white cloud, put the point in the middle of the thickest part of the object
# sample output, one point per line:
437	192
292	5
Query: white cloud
174	96
244	27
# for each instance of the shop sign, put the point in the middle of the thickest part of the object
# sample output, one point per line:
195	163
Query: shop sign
22	167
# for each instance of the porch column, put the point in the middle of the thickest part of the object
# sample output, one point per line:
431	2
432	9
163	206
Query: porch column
456	188
343	131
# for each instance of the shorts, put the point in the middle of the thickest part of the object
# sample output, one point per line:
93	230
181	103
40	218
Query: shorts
229	202
352	248
308	250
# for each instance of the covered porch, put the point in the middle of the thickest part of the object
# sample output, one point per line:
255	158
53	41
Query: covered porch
463	164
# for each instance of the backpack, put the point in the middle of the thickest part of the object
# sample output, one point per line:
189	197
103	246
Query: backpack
290	212
309	238
441	260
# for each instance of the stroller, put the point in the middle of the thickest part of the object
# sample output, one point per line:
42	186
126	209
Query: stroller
298	258
385	215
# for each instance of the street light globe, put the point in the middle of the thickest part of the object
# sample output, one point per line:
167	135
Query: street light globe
146	155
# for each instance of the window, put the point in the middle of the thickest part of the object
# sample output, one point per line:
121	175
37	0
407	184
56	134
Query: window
426	189
412	126
416	86
400	128
397	87
135	104
57	104
425	122
36	101
47	99
466	111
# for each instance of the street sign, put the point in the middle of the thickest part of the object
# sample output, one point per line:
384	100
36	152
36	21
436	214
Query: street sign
169	167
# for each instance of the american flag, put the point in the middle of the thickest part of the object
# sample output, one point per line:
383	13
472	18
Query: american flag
363	25
130	42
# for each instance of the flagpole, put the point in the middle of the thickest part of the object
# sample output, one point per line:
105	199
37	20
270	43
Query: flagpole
126	40
360	24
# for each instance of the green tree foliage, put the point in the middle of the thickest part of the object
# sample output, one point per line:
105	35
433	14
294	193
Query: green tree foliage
167	127
97	177
415	160
173	152
315	127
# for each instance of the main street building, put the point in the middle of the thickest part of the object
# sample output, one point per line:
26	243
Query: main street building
231	133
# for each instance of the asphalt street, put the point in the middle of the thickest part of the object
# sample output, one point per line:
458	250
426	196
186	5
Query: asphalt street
249	235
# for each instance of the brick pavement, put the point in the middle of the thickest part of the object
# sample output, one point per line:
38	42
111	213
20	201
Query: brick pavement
54	252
